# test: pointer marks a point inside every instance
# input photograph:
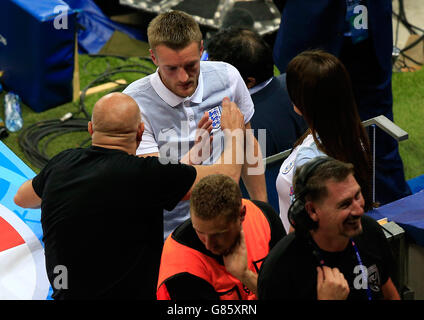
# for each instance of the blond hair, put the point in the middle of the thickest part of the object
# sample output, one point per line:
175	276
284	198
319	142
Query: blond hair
174	29
216	195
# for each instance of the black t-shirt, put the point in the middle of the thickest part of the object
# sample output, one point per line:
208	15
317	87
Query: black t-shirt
185	286
289	271
102	219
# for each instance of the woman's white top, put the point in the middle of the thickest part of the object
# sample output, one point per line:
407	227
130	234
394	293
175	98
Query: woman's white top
284	184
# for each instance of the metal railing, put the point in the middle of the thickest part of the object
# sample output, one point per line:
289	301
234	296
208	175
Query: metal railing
381	122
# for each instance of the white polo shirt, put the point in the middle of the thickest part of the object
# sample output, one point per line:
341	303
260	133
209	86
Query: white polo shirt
170	121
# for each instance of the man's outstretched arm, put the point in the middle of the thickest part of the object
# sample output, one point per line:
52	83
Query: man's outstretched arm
253	172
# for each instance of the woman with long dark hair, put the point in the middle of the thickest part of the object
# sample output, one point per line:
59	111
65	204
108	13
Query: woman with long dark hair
320	89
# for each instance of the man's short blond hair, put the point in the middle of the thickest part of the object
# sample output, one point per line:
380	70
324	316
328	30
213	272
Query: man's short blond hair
216	195
174	29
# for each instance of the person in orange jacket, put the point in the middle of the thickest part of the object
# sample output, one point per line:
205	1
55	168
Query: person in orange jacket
217	253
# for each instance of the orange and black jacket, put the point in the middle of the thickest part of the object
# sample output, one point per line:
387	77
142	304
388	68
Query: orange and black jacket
189	271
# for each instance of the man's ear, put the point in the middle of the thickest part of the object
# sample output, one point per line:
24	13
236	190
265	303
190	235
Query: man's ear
242	213
140	131
311	210
296	109
90	128
201	48
250	82
152	55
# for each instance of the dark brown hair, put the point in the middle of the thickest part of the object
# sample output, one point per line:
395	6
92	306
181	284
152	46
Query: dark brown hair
320	87
244	49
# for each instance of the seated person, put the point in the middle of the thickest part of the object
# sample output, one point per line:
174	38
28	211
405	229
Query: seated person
218	252
251	55
336	252
321	91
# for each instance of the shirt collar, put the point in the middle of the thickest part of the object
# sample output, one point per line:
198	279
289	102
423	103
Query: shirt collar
171	98
260	86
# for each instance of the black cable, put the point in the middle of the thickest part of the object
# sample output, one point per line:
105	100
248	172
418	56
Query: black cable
105	77
411	59
30	138
412	29
412	44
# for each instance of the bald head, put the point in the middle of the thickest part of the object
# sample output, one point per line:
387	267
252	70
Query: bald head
116	113
115	119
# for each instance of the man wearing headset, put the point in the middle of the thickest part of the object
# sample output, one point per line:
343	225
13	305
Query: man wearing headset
336	252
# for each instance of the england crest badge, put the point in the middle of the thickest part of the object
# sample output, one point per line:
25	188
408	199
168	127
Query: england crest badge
215	116
287	169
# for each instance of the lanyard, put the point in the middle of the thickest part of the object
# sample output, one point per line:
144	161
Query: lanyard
317	253
363	271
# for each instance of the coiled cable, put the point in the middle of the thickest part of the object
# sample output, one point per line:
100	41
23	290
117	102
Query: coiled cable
30	138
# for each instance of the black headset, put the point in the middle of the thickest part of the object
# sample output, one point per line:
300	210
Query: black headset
297	214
